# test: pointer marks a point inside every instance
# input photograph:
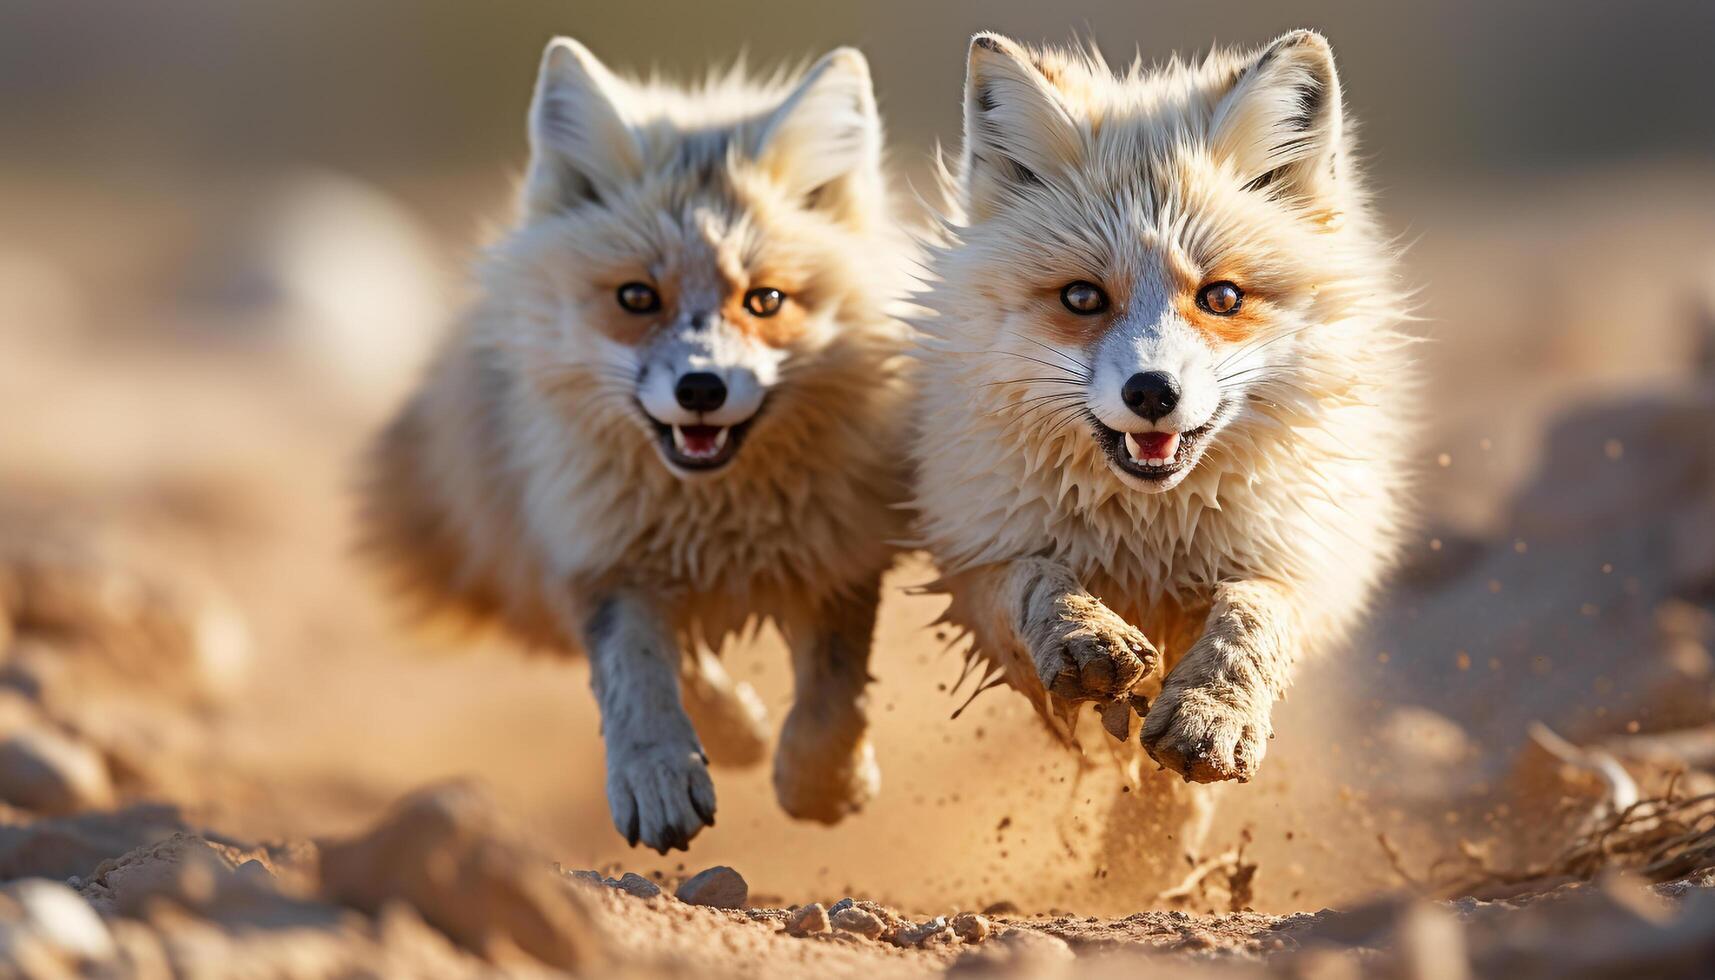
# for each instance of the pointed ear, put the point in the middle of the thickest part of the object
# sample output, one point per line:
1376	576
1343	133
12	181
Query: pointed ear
1017	128
581	148
1281	123
824	142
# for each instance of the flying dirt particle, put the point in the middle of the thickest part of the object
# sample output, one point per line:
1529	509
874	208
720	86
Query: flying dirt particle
719	887
1589	609
1462	660
860	921
971	927
1520	547
1613	449
1495	586
808	920
1485	444
1444	460
1632	727
633	883
1434	544
1382	658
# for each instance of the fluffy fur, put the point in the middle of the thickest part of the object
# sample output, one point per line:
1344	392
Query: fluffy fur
1080	573
533	478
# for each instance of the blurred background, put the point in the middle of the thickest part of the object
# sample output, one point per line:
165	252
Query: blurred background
230	232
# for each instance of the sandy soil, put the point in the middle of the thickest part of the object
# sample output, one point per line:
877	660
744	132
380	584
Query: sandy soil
216	734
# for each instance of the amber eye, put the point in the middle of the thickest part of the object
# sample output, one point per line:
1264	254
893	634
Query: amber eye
639	297
1084	298
764	301
1221	298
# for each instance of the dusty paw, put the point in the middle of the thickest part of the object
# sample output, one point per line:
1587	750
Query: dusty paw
1205	738
821	773
660	795
1090	654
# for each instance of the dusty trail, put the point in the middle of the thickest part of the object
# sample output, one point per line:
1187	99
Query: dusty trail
187	648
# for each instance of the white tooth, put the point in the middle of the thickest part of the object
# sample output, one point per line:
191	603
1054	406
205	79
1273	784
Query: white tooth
678	438
720	439
1133	449
1171	449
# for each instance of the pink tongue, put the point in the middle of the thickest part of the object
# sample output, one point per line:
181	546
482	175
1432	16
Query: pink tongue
1153	444
700	439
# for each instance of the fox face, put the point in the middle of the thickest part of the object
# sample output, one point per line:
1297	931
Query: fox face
1149	245
688	252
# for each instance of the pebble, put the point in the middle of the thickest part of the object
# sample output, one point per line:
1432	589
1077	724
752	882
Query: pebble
855	920
719	887
971	927
45	771
808	920
61	918
633	883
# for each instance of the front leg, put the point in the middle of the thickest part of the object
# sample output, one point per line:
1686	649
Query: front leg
1211	721
658	785
825	766
1079	649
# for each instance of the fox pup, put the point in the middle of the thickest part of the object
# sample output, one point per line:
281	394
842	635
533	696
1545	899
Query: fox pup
1160	429
667	418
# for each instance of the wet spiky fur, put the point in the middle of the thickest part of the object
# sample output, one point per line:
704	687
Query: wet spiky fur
524	482
1235	166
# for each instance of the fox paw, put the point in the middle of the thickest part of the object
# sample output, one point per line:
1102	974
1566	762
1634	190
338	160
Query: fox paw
1205	738
1087	653
821	773
660	795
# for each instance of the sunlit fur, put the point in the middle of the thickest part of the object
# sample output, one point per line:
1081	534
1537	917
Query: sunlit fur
1151	175
524	484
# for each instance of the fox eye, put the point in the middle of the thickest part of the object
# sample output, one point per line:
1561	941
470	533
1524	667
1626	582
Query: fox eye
764	301
1084	298
1221	298
639	297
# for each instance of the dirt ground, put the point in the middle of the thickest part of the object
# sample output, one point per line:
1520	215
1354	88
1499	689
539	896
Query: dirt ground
220	744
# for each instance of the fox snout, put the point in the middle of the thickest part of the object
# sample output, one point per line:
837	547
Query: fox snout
1151	394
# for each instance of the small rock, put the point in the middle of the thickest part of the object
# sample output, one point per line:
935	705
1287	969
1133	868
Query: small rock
855	920
971	927
808	920
719	887
587	877
447	852
633	883
909	935
61	919
841	905
44	771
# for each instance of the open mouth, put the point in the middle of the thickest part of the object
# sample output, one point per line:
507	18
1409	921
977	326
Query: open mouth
1153	456
700	447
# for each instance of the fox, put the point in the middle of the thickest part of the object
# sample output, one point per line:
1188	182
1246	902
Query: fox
669	417
1163	413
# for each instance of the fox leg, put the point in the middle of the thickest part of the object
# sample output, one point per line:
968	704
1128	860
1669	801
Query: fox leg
1079	649
824	767
1211	721
658	785
728	714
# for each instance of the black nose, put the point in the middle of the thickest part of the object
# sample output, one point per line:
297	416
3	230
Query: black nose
700	392
1151	394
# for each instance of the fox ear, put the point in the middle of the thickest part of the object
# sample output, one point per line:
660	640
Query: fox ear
824	142
1280	125
1017	128
581	148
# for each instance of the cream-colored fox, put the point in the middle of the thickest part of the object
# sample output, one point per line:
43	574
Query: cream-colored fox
671	413
1160	426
